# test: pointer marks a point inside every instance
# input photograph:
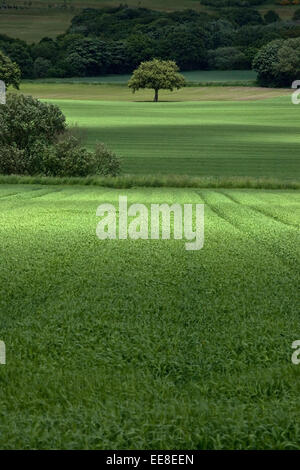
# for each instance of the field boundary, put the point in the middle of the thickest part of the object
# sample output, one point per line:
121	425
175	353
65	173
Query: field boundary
169	181
188	84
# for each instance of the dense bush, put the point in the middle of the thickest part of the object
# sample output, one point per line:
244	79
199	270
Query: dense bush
278	63
107	162
12	160
24	120
34	140
70	159
9	71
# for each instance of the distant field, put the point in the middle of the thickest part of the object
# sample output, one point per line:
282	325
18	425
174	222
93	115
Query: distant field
34	23
196	76
223	138
142	344
32	26
120	92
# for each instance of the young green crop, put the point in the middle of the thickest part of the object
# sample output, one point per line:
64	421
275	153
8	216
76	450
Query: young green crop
141	344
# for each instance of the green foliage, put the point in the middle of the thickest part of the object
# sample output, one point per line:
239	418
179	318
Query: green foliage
86	57
74	65
29	128
47	49
12	160
271	17
19	52
185	46
296	15
9	71
34	141
278	63
108	164
242	16
71	159
116	40
41	67
24	119
227	58
157	75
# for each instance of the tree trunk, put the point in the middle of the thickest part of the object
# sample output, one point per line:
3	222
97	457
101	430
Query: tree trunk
156	96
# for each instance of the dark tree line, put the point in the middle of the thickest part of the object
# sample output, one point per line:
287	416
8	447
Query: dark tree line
117	40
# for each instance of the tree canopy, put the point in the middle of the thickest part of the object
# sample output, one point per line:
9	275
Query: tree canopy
157	75
9	71
278	63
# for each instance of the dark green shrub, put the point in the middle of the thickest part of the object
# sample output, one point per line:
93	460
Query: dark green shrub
23	120
9	71
34	160
40	159
72	159
34	140
107	163
12	160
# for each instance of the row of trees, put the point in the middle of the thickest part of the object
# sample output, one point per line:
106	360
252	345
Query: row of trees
192	40
117	40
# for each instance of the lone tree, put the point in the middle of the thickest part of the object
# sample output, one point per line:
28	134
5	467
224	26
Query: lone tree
157	75
9	71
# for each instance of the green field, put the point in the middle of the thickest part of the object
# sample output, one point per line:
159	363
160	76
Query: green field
120	92
141	344
222	138
196	76
122	344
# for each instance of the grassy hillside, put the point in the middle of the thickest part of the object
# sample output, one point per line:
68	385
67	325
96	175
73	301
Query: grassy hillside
37	21
141	344
225	138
